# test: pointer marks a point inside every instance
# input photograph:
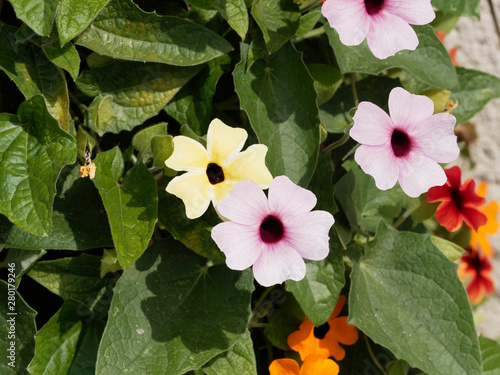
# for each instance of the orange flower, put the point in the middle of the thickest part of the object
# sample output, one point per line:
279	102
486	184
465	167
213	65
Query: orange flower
478	239
324	340
474	271
314	364
87	171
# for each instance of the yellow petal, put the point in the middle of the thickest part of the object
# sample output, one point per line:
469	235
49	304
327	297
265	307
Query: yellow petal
249	165
224	141
194	190
188	155
222	190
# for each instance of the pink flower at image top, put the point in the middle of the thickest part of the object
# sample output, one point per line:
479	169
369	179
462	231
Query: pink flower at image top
384	23
272	233
406	146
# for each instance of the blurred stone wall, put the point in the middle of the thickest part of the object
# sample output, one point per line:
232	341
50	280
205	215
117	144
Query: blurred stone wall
479	48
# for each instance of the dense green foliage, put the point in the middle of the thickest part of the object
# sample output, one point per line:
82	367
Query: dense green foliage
129	283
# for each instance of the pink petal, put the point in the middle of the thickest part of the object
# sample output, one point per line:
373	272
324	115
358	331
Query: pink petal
380	163
372	126
415	12
240	243
277	263
418	174
390	34
409	110
246	204
436	139
308	234
349	18
287	200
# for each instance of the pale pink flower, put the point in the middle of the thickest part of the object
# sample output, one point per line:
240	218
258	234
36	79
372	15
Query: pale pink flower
273	234
407	146
384	23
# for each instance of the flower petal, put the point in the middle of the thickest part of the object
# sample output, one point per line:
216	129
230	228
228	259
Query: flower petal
372	126
315	364
439	193
304	341
308	234
468	194
448	216
221	190
194	190
284	366
349	18
249	165
344	333
287	200
245	204
390	34
415	12
479	238
188	155
224	141
240	243
409	110
435	138
277	263
380	163
454	177
418	174
338	307
473	217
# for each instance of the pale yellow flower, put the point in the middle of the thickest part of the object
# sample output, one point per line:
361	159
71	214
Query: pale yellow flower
213	172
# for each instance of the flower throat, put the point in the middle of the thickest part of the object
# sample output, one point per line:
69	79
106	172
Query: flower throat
271	229
400	143
215	174
373	6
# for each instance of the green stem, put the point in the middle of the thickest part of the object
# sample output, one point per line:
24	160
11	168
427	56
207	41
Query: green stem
310	6
310	34
336	144
82	107
403	217
259	302
379	366
354	91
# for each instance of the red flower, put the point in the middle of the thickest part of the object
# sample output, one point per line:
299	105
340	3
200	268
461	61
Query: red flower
475	272
459	202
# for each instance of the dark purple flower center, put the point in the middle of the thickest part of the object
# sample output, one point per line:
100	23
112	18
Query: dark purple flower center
271	229
373	6
321	331
215	174
476	263
401	144
457	198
